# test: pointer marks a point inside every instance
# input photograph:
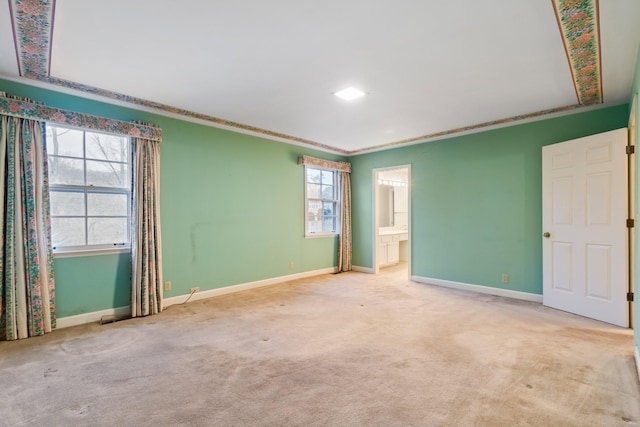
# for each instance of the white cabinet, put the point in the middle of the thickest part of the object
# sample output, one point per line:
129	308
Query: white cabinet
389	249
393	253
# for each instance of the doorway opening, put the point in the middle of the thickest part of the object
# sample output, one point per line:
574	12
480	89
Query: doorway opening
392	219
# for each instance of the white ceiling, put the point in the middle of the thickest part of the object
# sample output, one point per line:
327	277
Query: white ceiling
427	66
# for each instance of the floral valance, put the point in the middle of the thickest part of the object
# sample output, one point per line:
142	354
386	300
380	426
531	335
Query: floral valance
27	109
327	164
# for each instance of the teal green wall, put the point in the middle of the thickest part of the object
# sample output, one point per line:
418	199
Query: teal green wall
476	200
92	283
232	211
232	206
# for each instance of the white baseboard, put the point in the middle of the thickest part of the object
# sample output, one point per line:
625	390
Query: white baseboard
479	288
94	316
245	286
637	354
81	319
362	269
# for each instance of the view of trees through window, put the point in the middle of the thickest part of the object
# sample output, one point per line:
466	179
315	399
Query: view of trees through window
321	200
89	185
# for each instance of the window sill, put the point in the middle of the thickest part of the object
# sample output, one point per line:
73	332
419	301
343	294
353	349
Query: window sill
318	235
90	252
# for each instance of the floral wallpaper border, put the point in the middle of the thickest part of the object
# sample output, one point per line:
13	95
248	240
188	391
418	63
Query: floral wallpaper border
424	138
32	26
186	113
580	28
19	107
578	21
326	164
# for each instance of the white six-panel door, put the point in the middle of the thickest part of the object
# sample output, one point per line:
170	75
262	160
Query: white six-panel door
584	204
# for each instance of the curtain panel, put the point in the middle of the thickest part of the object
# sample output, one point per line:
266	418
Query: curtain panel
27	289
344	169
146	245
344	256
27	286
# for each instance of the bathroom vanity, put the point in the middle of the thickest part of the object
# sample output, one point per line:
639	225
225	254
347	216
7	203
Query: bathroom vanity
391	246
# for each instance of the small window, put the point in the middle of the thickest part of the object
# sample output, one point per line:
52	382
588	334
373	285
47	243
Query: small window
89	188
322	201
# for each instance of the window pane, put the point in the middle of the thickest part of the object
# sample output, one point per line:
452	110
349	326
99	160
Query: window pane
105	174
64	142
313	191
107	230
86	160
105	204
314	210
313	175
328	208
67	232
329	224
107	147
322	194
327	177
327	192
67	203
315	226
66	171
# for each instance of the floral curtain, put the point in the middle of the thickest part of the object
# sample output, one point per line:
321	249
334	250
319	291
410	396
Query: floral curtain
146	246
27	286
344	257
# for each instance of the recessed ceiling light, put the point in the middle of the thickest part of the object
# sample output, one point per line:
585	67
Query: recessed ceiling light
349	94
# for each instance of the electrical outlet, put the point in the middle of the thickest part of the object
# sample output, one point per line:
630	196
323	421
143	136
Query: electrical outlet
505	278
194	290
167	286
291	265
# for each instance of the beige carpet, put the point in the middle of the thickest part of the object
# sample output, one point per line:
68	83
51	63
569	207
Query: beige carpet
338	350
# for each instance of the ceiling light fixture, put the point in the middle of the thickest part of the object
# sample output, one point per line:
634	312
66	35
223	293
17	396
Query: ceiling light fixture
349	94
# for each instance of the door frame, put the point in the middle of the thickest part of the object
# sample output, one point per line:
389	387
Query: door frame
631	204
376	216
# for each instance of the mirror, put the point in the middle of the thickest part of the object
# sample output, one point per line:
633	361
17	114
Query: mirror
393	198
385	205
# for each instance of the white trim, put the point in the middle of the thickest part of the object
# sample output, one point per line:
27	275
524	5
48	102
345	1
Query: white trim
360	269
637	357
320	235
90	252
337	184
526	296
481	128
323	147
245	286
159	112
94	316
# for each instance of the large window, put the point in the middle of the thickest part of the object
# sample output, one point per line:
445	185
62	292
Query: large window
90	189
322	201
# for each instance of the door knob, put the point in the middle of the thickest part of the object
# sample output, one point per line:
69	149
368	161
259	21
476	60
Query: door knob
546	234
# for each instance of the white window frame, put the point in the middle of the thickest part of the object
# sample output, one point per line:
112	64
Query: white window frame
337	200
86	189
